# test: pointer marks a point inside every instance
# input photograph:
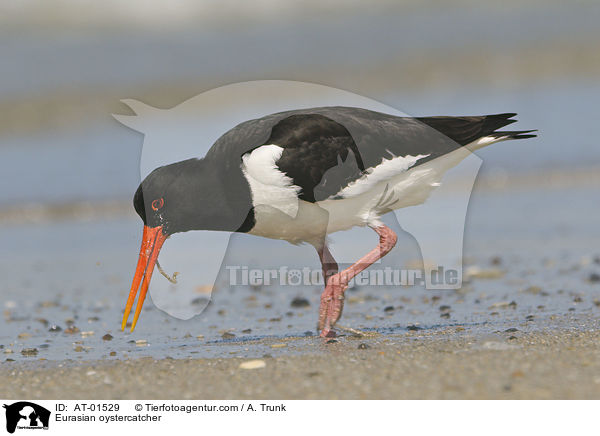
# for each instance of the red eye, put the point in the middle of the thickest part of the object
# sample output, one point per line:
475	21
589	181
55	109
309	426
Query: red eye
157	204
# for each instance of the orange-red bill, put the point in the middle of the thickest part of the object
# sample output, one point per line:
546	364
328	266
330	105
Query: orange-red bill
152	240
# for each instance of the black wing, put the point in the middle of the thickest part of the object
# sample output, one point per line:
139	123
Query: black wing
327	148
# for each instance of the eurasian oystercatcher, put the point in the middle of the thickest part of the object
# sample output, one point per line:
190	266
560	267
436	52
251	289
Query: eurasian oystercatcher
301	175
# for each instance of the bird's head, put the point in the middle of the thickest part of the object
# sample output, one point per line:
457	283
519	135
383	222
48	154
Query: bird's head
156	199
171	199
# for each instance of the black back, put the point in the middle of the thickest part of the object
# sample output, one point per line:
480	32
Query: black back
326	148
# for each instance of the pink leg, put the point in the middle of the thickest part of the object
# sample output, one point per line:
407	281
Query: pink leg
330	269
328	263
332	298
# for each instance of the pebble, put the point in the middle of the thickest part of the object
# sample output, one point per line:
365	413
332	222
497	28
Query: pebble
389	309
444	308
200	301
309	333
246	331
87	334
253	364
363	346
503	305
55	328
107	337
29	351
414	328
445	315
228	335
331	341
141	342
299	302
594	278
498	346
480	273
78	349
71	330
199	337
112	353
24	335
278	345
511	330
533	290
496	260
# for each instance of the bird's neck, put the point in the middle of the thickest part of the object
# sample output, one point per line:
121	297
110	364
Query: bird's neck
224	198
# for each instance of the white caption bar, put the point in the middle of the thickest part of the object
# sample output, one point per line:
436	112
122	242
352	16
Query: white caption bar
263	417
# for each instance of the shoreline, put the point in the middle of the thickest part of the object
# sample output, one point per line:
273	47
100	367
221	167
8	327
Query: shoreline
499	181
554	363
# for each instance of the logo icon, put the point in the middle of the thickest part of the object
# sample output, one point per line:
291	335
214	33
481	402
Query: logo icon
26	415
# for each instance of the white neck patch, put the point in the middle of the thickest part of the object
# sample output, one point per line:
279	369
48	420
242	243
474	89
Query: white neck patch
268	185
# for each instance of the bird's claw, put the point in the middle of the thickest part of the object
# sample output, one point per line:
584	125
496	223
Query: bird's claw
332	304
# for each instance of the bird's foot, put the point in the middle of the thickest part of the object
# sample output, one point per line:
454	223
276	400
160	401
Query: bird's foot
325	333
332	304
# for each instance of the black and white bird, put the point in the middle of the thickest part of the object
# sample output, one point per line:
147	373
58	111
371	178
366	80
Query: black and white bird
304	174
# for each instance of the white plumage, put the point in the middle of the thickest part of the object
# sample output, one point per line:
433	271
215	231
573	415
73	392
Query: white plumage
393	184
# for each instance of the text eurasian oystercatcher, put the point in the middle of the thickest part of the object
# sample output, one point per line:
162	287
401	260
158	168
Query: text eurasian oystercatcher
301	175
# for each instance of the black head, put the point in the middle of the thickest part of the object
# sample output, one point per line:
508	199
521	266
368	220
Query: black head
190	195
175	197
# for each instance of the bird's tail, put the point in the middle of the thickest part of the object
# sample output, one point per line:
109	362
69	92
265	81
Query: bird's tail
514	134
477	131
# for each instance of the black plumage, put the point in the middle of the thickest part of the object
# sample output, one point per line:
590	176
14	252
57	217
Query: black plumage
324	149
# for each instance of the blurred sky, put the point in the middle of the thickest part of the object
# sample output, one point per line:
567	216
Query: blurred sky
67	64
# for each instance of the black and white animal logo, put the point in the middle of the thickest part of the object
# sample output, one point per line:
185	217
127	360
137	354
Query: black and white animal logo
26	415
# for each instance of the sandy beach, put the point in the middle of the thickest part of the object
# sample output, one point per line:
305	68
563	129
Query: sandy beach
559	362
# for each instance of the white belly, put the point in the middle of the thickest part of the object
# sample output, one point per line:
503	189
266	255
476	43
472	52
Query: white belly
280	214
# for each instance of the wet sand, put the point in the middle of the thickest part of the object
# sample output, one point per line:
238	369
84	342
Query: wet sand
559	362
525	324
